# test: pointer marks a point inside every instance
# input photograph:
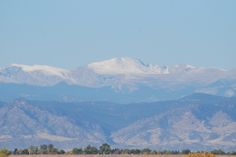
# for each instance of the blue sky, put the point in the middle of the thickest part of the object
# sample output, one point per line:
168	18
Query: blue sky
71	33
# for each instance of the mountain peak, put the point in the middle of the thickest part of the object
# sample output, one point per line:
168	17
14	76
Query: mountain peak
124	65
121	60
42	68
127	60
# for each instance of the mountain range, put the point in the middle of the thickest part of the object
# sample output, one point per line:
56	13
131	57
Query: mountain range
122	80
196	122
120	101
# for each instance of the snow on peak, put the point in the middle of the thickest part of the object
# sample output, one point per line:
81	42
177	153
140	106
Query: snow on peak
125	66
42	68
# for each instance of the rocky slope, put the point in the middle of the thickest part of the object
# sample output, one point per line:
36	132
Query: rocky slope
198	121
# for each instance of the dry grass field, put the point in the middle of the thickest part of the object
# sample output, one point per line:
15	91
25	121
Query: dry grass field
123	155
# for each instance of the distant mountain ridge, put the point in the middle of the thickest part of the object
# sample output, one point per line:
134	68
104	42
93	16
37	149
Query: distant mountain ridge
197	122
116	80
121	101
123	69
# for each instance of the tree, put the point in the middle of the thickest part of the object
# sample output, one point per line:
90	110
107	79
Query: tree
116	151
105	149
146	151
50	148
33	150
90	150
61	151
218	151
43	149
77	151
233	153
186	151
25	151
15	151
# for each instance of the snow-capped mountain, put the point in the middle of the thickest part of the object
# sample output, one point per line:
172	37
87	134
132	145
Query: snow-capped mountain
126	66
42	68
41	75
125	69
124	77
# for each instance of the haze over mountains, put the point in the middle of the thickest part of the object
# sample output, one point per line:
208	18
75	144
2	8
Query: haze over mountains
121	101
197	122
124	79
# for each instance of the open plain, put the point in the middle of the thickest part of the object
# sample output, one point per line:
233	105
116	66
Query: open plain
112	155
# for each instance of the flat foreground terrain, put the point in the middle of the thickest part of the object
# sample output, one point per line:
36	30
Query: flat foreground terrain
113	155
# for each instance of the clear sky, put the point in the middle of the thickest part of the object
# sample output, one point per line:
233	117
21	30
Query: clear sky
71	33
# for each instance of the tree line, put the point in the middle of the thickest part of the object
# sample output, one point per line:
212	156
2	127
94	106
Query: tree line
103	149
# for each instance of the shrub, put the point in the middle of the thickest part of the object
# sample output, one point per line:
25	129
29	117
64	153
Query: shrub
4	153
